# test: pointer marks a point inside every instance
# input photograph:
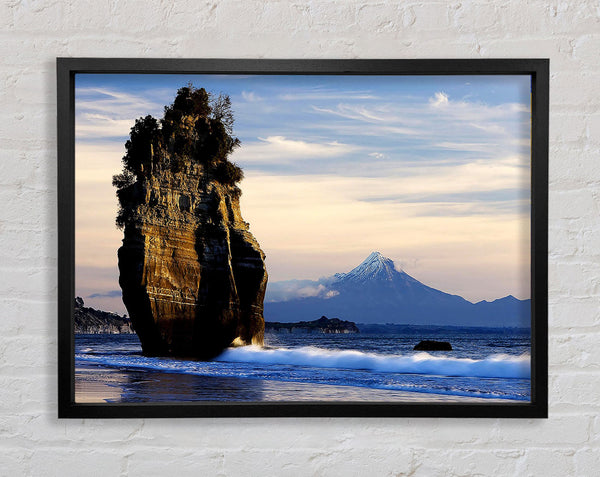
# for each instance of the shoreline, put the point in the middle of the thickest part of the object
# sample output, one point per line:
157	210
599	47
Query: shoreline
98	384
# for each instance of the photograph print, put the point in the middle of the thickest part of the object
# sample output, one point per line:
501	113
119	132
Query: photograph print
302	238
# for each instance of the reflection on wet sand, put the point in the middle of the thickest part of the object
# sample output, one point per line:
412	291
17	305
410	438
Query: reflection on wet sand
97	384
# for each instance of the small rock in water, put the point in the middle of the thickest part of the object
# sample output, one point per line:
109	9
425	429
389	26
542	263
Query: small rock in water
430	345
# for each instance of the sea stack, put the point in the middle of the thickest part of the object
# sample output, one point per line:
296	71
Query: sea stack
193	276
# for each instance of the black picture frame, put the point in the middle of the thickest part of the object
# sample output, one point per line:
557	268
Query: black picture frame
538	69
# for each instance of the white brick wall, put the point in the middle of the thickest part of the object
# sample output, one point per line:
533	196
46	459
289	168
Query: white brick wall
34	442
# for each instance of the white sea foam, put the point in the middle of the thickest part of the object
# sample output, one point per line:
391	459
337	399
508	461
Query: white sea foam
494	366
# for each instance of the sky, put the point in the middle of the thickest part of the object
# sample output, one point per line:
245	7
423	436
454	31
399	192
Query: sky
431	171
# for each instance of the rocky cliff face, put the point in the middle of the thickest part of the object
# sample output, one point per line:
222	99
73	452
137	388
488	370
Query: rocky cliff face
193	276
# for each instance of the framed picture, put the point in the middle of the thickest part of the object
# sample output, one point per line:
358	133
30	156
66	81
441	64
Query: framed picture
245	238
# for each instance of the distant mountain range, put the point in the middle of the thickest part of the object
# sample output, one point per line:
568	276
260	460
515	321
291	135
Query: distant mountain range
375	292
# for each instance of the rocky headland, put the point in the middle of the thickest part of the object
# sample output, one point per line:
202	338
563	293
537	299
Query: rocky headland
193	276
88	320
322	325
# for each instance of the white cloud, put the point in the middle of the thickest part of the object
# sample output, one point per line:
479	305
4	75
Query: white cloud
103	112
99	126
289	290
441	120
483	175
326	95
517	107
485	117
251	96
377	155
312	291
467	146
489	128
382	130
280	149
439	100
380	113
114	102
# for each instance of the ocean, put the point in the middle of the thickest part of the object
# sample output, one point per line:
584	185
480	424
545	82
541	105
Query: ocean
484	364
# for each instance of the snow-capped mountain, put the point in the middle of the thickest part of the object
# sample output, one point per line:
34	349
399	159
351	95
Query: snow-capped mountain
374	267
376	292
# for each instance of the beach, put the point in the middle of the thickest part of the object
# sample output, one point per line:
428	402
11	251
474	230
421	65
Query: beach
98	384
313	367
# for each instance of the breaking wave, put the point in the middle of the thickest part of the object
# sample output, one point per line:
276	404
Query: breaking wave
494	366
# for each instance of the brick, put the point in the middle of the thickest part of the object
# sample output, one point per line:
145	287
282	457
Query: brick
592	132
547	462
381	17
574	313
563	93
27	168
44	15
90	462
595	431
575	388
18	354
15	461
557	48
587	461
563	16
13	311
574	166
94	16
189	462
574	430
575	132
432	16
470	17
562	346
105	431
574	204
25	283
468	462
565	238
20	394
576	279
332	16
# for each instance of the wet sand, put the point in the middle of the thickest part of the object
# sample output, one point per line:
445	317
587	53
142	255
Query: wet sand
95	384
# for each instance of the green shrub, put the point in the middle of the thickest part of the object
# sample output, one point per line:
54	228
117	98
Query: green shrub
228	173
198	126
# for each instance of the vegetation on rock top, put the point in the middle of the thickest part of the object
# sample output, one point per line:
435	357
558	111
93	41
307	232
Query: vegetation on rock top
197	127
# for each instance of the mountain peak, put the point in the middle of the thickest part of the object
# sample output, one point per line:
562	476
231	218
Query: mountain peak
375	266
375	256
377	259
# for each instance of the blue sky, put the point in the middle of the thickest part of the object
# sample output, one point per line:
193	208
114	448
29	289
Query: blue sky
432	171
